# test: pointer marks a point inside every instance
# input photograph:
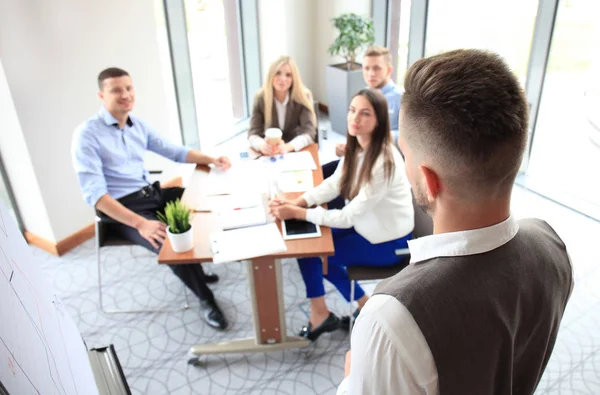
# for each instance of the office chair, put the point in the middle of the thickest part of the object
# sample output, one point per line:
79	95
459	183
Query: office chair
104	238
423	227
321	133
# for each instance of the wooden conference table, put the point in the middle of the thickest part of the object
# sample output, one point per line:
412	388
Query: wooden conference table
264	273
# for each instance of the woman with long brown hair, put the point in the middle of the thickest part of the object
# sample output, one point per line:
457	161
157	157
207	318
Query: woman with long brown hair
378	217
286	104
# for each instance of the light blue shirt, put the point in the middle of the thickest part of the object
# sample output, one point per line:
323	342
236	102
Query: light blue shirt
393	95
111	160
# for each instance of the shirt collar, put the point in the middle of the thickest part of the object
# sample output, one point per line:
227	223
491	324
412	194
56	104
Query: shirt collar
285	101
463	243
108	118
388	87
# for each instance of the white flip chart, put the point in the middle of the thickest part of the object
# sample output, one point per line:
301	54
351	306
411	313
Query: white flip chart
41	349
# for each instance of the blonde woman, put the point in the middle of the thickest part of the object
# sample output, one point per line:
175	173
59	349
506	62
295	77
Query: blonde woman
284	103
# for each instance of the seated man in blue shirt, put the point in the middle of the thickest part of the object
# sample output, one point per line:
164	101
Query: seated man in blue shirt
377	71
108	155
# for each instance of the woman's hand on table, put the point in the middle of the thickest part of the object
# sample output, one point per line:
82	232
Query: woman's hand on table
287	211
298	202
266	149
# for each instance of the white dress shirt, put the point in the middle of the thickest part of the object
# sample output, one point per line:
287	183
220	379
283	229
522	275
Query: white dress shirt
389	352
382	210
297	142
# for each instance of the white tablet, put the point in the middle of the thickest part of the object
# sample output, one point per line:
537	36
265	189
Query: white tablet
296	229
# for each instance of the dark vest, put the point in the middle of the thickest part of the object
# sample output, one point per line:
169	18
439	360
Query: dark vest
490	319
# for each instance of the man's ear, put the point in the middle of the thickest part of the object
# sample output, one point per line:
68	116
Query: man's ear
100	95
390	69
432	182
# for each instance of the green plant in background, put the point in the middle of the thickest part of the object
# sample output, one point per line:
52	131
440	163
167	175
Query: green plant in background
355	32
176	216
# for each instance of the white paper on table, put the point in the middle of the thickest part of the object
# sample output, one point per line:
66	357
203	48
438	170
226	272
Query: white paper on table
242	177
295	181
241	218
41	348
246	243
291	162
231	202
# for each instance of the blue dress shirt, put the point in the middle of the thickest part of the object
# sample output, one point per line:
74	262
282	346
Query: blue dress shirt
393	95
111	160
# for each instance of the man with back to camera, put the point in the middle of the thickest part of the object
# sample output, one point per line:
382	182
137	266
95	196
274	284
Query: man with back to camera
478	308
377	72
108	156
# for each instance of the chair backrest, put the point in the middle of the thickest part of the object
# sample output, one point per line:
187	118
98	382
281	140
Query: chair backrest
104	236
423	222
316	108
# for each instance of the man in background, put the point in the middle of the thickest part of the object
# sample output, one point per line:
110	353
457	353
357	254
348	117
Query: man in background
478	308
108	156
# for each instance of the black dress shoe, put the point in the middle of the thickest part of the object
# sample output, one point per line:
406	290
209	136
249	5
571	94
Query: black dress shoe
331	324
213	315
210	278
345	320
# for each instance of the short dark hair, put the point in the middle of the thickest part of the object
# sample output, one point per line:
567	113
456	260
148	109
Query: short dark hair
111	72
465	111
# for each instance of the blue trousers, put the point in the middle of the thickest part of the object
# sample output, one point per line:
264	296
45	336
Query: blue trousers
351	249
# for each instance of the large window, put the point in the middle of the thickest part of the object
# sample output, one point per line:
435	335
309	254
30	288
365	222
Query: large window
563	68
209	68
403	35
218	96
505	27
565	151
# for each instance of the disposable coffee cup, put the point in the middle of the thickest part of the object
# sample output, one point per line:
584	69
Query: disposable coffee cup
273	136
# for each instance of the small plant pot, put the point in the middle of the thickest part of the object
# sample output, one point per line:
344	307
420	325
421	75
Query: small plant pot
181	242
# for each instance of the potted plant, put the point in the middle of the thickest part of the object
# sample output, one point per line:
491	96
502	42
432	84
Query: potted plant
345	79
179	228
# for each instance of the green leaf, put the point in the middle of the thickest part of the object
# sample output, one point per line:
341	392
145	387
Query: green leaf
355	32
177	216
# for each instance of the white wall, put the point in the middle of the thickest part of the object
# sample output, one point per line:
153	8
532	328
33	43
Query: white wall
52	52
286	28
303	30
19	167
325	33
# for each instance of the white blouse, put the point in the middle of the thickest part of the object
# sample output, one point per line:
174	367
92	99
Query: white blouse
382	211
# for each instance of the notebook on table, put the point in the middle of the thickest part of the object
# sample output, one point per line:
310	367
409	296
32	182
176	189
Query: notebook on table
246	243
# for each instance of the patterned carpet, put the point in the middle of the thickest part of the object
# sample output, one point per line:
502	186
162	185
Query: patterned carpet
153	347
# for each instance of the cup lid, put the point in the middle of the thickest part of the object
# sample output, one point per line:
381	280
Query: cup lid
273	133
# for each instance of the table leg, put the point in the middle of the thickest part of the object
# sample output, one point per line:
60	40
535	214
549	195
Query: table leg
325	262
268	314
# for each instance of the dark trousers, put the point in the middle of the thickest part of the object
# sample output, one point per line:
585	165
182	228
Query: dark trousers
192	275
328	169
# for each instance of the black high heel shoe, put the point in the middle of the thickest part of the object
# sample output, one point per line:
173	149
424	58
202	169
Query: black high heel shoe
332	323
